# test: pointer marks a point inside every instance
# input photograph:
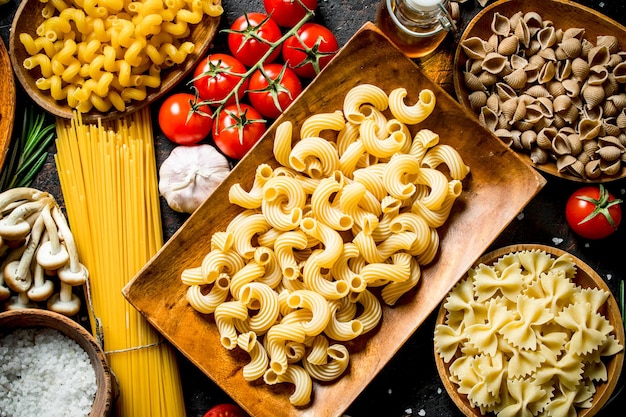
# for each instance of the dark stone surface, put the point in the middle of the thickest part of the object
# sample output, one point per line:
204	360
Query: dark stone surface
409	385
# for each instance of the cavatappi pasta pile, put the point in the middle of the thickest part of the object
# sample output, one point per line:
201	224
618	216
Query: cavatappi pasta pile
104	54
522	339
340	225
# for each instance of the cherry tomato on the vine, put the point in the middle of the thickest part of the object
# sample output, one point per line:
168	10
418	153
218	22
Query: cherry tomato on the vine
238	128
250	36
272	88
310	49
225	410
593	212
217	75
288	12
183	123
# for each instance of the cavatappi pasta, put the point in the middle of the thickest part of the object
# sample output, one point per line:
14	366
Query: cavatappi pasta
340	228
522	338
103	54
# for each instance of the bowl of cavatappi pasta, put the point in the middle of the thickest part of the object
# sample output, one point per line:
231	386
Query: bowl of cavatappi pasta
548	77
107	58
320	254
530	330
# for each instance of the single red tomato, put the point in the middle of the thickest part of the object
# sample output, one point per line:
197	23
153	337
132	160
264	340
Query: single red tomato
250	36
237	129
272	88
217	75
225	410
310	49
288	13
182	121
593	212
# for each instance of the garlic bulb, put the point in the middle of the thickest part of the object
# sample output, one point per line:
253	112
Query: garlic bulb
190	174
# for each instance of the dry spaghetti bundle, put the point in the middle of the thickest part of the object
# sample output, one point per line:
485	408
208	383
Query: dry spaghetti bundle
109	182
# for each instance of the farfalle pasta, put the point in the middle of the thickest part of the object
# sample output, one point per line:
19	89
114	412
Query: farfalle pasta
521	338
328	237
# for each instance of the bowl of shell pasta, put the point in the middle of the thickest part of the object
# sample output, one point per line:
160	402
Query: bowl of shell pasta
549	79
530	329
108	58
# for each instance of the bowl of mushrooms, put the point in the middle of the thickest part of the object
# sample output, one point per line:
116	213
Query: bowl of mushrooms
549	79
38	256
49	361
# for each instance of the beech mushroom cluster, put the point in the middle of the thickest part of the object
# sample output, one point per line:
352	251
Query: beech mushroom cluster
39	262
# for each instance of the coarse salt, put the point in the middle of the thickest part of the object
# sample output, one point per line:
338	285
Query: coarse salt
44	372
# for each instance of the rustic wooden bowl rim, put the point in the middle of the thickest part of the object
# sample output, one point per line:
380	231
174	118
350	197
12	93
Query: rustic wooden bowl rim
31	317
615	363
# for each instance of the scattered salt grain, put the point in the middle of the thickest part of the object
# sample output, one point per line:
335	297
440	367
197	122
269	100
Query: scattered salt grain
439	391
408	411
609	276
587	245
557	240
421	412
44	372
520	216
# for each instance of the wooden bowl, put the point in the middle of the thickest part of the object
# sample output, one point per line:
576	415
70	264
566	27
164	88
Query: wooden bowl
585	277
564	14
7	103
498	187
32	318
28	17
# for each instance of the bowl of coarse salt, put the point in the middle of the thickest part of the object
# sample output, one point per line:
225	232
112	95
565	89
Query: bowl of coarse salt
50	362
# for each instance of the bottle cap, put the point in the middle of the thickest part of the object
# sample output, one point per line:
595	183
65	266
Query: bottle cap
424	5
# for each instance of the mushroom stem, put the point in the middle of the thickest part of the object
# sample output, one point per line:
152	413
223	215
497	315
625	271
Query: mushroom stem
27	256
19	301
65	302
73	273
51	254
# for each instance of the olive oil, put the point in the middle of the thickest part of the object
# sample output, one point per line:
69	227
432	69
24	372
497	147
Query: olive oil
417	27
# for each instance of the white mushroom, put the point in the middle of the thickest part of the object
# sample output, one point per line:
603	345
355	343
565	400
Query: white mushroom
73	272
16	226
42	288
65	301
51	255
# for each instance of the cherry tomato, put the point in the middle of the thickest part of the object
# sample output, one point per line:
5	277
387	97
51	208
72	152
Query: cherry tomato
182	122
225	410
244	34
273	88
592	212
217	75
310	50
238	129
288	12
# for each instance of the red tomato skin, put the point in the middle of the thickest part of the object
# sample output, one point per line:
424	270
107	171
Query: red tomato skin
250	51
173	121
225	410
226	133
598	227
288	12
218	86
309	33
263	101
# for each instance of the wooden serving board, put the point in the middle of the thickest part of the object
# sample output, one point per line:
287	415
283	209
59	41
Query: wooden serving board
7	102
497	189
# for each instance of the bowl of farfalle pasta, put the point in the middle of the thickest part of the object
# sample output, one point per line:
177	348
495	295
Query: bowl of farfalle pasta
531	330
107	58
